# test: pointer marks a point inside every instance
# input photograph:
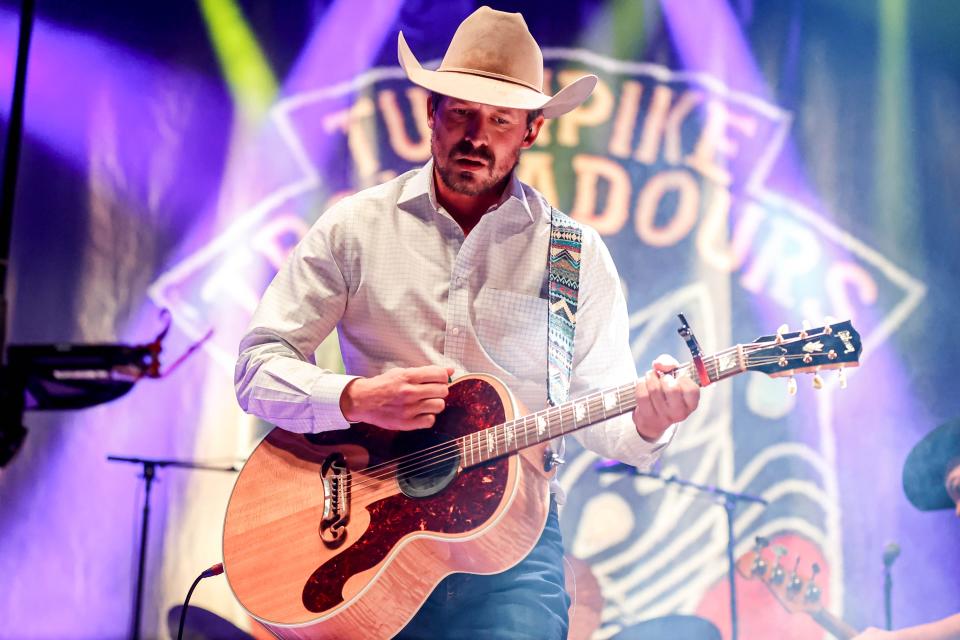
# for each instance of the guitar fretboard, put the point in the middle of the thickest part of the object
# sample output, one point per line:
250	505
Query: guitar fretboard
535	428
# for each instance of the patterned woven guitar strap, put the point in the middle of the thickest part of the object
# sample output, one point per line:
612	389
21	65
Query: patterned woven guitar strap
566	238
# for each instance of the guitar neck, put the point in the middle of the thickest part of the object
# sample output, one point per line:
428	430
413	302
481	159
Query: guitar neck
834	625
533	429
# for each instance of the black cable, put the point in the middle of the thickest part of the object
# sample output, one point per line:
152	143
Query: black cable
215	570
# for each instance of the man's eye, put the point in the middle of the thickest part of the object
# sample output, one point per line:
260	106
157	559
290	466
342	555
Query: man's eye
502	121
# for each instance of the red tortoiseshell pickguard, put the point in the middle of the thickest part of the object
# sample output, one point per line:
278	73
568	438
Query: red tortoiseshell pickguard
464	505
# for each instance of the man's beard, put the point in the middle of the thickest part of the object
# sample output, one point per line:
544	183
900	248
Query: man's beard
470	183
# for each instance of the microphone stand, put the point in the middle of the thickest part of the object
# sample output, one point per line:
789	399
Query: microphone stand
887	596
730	500
149	474
12	431
890	553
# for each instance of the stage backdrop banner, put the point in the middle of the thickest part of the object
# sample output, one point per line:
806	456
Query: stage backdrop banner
747	165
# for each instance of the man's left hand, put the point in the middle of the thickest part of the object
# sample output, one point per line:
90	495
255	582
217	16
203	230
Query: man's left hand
663	399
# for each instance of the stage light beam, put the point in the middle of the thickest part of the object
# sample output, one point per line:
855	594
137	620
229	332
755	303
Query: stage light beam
249	77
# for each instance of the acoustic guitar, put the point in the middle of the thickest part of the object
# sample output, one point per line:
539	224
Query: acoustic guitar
344	534
795	592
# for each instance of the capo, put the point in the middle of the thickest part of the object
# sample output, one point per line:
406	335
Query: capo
687	334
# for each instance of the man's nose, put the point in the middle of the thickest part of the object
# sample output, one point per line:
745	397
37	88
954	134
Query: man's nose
476	130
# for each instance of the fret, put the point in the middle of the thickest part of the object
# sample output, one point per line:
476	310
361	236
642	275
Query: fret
548	423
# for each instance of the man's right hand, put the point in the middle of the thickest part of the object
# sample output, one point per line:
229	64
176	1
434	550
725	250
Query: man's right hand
400	399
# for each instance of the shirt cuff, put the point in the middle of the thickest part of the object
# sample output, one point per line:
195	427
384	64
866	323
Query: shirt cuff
664	439
325	399
639	452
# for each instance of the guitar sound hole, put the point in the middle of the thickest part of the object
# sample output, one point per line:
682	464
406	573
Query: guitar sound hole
428	465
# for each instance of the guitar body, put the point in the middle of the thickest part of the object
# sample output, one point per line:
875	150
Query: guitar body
326	536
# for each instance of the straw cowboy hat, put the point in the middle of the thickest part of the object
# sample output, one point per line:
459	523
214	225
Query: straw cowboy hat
494	60
927	466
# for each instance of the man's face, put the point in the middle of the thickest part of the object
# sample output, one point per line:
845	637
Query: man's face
953	485
476	146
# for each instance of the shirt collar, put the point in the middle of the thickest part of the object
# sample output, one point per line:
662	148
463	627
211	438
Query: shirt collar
421	185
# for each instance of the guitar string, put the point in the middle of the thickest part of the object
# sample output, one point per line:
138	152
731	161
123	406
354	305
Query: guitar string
427	465
386	492
453	446
550	413
441	450
687	367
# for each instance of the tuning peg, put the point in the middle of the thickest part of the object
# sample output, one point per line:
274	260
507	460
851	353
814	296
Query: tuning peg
817	380
842	378
805	327
795	583
813	591
828	322
778	575
792	386
759	566
782	329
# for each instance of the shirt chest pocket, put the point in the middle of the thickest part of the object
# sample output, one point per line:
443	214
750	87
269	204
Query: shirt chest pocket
512	330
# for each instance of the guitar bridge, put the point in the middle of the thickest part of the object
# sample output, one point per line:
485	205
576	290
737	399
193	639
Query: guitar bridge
336	500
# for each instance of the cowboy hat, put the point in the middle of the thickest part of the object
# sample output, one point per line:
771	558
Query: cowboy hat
494	60
927	466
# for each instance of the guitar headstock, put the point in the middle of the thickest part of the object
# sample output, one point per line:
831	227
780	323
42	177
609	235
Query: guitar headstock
831	346
797	593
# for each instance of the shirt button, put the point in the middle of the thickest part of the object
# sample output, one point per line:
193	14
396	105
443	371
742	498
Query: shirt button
455	331
458	281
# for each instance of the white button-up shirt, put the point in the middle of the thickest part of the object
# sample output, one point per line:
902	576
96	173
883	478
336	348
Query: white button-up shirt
394	273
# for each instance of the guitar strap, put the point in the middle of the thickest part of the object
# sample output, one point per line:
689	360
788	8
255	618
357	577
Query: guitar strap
566	238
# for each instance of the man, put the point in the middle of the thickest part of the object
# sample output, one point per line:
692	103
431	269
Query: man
931	480
443	271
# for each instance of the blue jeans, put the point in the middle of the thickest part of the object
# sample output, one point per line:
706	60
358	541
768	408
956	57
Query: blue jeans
526	602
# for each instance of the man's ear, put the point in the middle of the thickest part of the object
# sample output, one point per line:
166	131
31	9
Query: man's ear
532	132
430	112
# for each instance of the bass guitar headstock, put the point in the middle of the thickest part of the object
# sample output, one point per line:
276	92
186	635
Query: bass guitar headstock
796	593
